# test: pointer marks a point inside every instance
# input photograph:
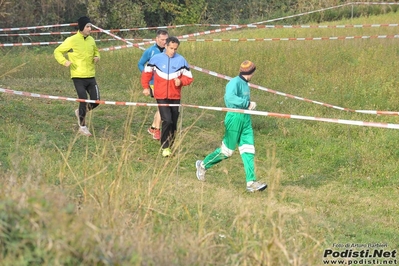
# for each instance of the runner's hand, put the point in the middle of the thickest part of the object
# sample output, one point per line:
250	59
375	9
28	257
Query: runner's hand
146	92
177	82
252	106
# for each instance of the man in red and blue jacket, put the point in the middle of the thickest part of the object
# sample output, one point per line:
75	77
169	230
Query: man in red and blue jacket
170	72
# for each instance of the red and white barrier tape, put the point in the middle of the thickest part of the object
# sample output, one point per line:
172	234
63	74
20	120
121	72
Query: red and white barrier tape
149	41
216	25
38	33
38	27
288	95
300	14
294	39
119	38
374	3
323	9
219	75
257	86
127	39
212	73
300	117
44	96
232	26
316	26
183	36
112	30
138	45
28	44
109	33
222	109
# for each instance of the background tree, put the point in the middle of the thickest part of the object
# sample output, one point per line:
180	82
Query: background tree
141	13
3	13
40	12
122	14
159	12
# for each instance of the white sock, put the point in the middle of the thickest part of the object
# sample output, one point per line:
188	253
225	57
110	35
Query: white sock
250	183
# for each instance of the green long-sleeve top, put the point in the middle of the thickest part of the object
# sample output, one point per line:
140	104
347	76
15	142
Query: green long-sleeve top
237	93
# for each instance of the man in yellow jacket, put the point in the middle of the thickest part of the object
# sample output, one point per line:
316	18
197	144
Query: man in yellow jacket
79	52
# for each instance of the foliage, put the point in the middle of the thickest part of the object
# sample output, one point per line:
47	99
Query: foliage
128	13
41	12
121	15
173	12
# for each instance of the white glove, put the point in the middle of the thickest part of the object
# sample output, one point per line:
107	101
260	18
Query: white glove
252	106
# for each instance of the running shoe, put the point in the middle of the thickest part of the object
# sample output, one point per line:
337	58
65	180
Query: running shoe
166	152
151	131
200	170
85	131
157	134
256	186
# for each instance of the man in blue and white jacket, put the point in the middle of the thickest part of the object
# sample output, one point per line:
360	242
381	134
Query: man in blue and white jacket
157	48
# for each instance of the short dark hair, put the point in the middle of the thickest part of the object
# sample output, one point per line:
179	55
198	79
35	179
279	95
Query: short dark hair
162	32
172	39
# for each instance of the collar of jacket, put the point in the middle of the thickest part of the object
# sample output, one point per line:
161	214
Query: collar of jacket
242	77
80	34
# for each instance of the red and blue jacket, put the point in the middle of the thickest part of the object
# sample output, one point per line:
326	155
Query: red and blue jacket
165	70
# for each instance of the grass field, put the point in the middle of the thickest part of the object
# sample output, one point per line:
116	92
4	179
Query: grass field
112	199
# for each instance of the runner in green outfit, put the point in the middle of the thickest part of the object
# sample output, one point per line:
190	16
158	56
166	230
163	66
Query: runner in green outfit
238	129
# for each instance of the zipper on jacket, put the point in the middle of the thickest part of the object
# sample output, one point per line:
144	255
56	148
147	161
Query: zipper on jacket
167	86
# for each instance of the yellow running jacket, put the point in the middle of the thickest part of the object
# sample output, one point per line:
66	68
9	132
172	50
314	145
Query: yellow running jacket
81	52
